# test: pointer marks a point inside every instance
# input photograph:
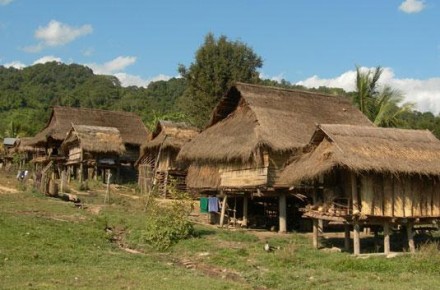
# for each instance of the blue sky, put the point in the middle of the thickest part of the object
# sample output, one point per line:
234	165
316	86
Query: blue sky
310	42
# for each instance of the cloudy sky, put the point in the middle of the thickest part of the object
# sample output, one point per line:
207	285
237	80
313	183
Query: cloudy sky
309	42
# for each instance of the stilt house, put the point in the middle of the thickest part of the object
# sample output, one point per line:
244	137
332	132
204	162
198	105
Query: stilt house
370	176
157	165
91	150
131	129
252	133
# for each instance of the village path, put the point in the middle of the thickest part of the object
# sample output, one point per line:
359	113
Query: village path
4	189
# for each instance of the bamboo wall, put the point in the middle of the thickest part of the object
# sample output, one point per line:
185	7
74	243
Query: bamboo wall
406	196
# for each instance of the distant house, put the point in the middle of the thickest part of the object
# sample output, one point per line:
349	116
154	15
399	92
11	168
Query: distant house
131	129
370	176
90	150
253	131
157	165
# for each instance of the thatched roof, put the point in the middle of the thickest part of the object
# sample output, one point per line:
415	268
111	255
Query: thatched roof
130	125
169	134
25	145
251	116
95	139
363	149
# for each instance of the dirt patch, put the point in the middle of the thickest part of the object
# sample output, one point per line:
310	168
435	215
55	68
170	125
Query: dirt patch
4	189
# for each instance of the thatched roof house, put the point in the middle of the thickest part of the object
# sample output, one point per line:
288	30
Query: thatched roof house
371	176
170	135
366	149
94	139
158	163
251	119
130	125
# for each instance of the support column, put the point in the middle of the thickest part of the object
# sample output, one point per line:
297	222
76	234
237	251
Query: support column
347	237
282	213
356	239
354	194
245	210
315	234
222	215
386	238
410	234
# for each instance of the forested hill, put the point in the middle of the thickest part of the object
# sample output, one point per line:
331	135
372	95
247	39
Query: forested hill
27	94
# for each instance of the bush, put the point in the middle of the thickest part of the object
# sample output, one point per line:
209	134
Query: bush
166	224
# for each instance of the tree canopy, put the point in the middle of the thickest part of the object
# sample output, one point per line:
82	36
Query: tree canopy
218	63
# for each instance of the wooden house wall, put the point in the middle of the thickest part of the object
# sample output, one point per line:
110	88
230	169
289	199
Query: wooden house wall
277	162
74	154
242	175
406	196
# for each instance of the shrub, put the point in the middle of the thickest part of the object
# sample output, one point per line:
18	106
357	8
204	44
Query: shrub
166	224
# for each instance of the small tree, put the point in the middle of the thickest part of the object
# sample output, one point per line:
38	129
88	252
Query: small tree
218	63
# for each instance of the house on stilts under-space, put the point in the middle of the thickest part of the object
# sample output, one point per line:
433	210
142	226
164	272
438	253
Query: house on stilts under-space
157	166
131	130
369	176
252	133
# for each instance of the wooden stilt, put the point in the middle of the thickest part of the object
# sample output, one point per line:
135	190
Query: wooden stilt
222	215
386	238
245	210
315	234
347	237
354	194
410	234
282	213
356	239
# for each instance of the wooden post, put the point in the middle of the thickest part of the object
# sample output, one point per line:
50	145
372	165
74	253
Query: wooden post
386	237
354	194
347	237
356	239
245	210
410	234
63	177
222	215
107	192
315	234
282	213
81	167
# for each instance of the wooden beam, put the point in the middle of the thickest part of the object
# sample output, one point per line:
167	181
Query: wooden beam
282	200
410	234
315	234
245	210
354	194
356	239
386	237
347	237
222	215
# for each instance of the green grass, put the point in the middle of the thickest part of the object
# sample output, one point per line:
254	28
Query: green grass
46	243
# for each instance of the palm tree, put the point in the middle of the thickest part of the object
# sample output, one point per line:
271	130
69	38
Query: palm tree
381	107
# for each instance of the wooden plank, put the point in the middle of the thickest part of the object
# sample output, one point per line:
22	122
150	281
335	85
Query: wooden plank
423	202
367	195
435	188
417	192
388	196
408	195
378	195
429	198
354	193
399	205
242	178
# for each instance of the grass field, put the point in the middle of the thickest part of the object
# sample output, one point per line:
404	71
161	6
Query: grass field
46	243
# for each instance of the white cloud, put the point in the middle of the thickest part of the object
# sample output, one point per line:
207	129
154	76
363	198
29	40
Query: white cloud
133	80
57	34
15	64
425	93
277	78
114	66
412	6
5	2
48	58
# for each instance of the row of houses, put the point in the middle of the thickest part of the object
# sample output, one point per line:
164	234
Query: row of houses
270	155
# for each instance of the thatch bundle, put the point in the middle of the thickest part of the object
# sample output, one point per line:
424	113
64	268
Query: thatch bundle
363	149
250	117
130	126
95	139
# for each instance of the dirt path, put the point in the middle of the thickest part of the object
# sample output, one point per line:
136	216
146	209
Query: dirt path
4	189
